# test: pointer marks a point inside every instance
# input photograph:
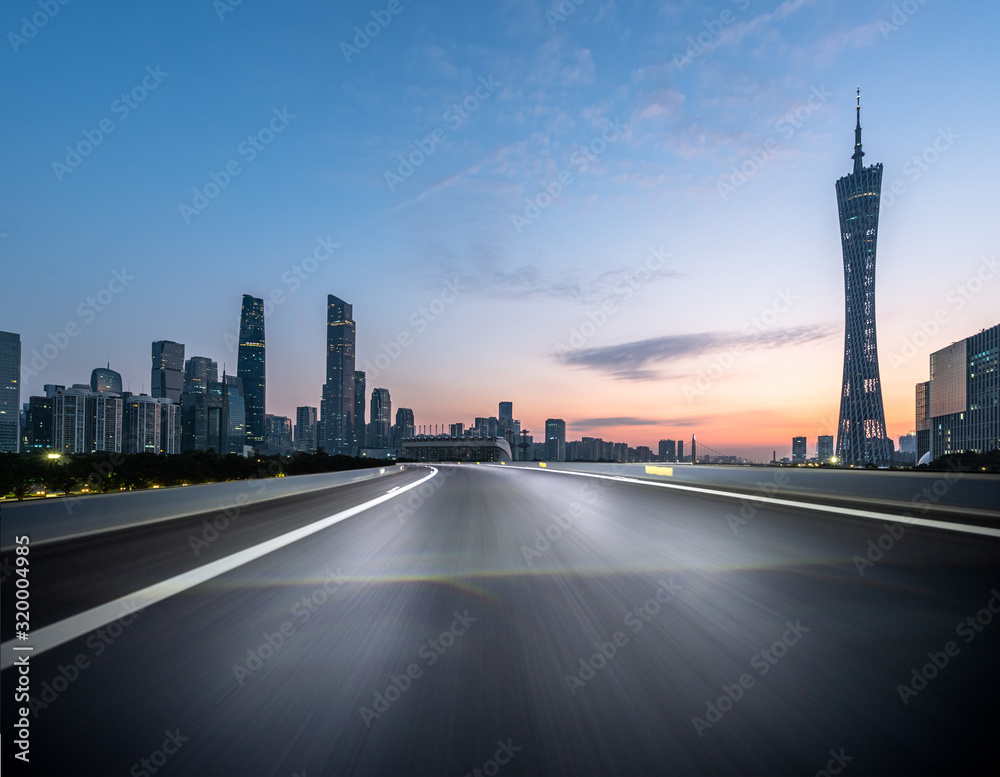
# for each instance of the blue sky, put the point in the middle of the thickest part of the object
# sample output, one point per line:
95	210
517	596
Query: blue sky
683	275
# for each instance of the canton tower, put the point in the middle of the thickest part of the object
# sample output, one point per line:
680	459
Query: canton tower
861	434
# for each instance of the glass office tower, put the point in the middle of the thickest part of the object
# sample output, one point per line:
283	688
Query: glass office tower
337	411
250	367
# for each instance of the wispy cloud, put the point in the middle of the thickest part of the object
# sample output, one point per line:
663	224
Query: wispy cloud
598	423
631	361
488	272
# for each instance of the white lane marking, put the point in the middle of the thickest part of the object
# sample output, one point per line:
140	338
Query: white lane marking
82	623
985	531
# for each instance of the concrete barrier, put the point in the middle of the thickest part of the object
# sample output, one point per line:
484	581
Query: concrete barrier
63	517
978	495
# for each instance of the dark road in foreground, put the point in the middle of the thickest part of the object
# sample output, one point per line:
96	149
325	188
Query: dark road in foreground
522	622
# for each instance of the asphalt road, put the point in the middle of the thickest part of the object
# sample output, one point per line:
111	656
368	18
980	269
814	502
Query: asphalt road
650	632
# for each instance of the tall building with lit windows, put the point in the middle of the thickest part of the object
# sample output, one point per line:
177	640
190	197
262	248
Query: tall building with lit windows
861	432
305	429
824	448
167	375
555	439
380	435
337	405
404	428
250	365
10	392
963	396
360	437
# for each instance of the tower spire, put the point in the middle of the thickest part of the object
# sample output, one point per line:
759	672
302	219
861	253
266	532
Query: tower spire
858	153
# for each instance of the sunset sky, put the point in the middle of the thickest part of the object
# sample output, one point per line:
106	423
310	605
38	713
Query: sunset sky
634	200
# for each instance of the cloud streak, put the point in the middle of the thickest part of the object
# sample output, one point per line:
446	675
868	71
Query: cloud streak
597	423
631	361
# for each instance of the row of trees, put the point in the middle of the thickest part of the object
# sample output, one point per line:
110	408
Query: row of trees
967	461
22	474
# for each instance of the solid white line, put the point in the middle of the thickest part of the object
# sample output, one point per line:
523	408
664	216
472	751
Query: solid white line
985	531
82	623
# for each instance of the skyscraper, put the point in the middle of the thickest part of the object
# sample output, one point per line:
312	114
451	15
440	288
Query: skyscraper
199	371
278	431
964	395
507	413
337	409
923	418
668	450
104	381
233	423
555	439
38	431
69	420
798	449
142	425
403	428
305	429
381	423
824	448
360	440
250	367
861	433
10	392
167	376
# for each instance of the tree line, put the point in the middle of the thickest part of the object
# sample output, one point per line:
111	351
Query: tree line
25	474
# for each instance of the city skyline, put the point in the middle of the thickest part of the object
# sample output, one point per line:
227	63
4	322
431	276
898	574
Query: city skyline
676	154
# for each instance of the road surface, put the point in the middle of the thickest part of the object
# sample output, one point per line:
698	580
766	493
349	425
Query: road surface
518	622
